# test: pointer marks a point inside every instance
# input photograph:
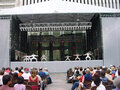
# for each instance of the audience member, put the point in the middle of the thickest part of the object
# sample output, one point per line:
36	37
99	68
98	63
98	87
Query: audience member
41	73
49	80
20	85
26	74
6	83
99	84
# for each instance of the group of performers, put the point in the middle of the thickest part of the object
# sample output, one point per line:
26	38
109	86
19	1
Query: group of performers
30	58
77	56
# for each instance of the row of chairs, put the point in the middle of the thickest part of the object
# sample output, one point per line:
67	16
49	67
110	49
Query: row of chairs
31	85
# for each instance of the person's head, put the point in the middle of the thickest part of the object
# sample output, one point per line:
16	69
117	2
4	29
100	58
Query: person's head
33	73
97	81
46	69
20	80
98	68
81	68
1	72
26	70
91	69
70	70
20	71
108	71
102	74
6	79
87	70
84	72
16	68
15	75
40	69
21	68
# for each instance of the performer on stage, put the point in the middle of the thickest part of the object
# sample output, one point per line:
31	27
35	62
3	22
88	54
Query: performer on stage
67	58
33	57
26	58
43	58
88	56
77	57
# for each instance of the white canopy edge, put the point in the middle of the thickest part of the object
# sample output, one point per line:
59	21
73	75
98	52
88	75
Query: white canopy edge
57	7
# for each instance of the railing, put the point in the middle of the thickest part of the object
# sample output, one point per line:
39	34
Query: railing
66	26
115	4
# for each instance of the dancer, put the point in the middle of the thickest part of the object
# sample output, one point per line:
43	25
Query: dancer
43	58
26	58
77	57
87	56
67	58
33	57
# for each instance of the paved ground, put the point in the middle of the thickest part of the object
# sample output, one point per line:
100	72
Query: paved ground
59	82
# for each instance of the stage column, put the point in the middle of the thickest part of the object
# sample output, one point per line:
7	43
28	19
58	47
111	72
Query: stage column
62	50
39	48
51	51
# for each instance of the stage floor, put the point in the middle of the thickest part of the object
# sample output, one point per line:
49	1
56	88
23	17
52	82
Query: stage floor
58	66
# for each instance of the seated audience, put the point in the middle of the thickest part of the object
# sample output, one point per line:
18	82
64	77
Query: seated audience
20	85
6	83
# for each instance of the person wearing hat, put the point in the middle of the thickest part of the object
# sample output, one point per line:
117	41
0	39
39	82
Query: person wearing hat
26	74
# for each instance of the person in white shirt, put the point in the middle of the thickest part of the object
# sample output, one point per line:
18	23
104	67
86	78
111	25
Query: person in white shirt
26	74
97	82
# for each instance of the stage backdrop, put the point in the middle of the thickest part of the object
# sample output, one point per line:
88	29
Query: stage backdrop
111	40
4	42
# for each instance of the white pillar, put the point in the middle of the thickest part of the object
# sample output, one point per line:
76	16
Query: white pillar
105	4
85	1
29	2
114	3
93	2
118	4
25	2
78	1
35	1
110	3
100	4
96	2
82	1
89	2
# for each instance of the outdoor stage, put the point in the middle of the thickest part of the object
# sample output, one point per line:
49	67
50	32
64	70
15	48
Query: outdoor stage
58	66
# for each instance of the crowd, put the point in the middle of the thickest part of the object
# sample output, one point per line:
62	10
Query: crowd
20	79
97	78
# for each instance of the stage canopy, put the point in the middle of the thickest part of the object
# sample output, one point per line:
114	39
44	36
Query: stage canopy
57	6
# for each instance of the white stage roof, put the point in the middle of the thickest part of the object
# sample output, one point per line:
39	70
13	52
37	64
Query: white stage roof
56	6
